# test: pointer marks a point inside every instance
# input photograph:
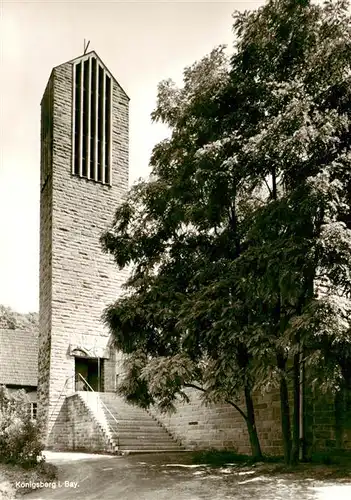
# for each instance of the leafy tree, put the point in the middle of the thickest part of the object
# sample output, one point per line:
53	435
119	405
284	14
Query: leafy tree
12	320
181	230
292	67
246	213
7	318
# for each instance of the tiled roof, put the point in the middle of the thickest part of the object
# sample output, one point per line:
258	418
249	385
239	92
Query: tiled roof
19	357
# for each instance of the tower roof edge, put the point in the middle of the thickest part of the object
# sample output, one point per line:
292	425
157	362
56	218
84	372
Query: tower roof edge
86	56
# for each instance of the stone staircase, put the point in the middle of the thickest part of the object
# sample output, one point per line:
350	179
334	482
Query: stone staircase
136	430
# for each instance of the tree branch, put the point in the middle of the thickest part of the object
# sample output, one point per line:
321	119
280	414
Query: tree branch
269	189
194	386
237	408
274	184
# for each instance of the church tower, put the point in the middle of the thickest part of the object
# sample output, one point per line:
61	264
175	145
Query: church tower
84	176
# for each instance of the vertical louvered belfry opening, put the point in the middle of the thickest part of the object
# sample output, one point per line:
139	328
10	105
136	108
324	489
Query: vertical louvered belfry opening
92	123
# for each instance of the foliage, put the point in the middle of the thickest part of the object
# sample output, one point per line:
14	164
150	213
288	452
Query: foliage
12	320
20	441
240	243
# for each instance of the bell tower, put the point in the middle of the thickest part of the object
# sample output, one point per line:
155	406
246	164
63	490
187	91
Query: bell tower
84	176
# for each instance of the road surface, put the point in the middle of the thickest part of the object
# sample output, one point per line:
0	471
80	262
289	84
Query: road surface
142	477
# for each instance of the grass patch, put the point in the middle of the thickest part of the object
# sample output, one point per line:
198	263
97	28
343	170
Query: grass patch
340	457
219	458
18	479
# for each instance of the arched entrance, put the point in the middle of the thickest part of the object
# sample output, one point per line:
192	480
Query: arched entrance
89	372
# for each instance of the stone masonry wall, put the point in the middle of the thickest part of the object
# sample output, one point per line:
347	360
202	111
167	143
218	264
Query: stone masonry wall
45	271
331	422
81	279
76	429
109	382
327	426
221	426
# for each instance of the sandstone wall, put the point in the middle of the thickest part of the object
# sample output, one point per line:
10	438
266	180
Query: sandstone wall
327	426
330	422
75	428
221	426
45	264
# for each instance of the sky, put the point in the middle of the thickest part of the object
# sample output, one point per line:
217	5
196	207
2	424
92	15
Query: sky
142	43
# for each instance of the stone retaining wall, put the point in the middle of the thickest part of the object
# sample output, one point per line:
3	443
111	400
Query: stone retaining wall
75	428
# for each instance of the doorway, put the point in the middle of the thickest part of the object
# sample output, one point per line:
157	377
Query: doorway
91	369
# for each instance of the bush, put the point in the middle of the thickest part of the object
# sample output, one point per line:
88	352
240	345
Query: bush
20	441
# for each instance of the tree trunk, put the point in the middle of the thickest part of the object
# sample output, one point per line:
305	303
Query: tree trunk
274	184
296	418
249	418
285	410
251	426
339	414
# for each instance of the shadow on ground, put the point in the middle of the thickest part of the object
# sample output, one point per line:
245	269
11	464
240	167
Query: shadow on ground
168	477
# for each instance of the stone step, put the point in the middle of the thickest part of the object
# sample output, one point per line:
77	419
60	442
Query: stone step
134	427
131	414
135	423
127	416
128	411
139	436
124	418
143	437
119	403
122	404
148	446
162	436
132	431
136	430
124	451
135	445
124	415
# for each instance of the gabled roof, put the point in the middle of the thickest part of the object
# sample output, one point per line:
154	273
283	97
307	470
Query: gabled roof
19	357
93	53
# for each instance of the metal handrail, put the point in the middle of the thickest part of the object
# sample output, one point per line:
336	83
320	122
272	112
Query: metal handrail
58	399
85	382
102	404
92	390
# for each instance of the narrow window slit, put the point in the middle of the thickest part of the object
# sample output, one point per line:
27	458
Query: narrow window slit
108	127
77	118
100	122
92	121
85	119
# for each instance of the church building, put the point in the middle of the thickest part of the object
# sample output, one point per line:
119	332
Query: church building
84	175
